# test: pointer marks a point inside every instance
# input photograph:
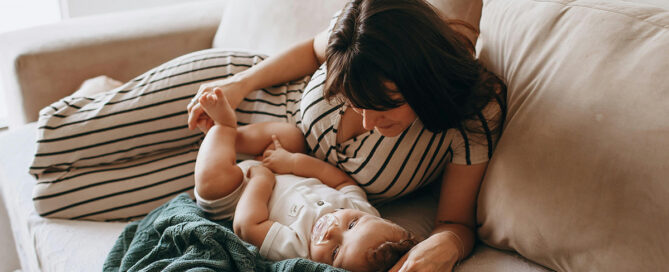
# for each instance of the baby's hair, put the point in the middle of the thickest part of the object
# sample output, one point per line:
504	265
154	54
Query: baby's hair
388	253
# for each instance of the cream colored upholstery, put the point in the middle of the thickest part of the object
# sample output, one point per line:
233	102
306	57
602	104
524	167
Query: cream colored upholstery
268	30
41	65
579	180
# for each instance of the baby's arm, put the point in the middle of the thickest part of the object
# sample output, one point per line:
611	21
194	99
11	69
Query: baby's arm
283	162
251	221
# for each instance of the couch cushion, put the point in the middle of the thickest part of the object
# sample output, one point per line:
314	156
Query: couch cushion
578	181
45	244
265	26
268	27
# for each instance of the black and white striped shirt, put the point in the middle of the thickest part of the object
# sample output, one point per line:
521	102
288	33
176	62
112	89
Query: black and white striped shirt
387	167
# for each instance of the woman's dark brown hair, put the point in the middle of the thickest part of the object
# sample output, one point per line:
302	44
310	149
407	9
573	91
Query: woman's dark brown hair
408	43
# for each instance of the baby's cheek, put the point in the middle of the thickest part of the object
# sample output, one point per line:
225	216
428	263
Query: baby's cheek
318	254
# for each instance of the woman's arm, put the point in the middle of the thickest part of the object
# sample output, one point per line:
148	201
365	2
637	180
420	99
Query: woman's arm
466	10
455	229
296	62
457	202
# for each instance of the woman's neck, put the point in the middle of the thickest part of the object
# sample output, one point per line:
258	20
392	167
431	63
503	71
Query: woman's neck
350	126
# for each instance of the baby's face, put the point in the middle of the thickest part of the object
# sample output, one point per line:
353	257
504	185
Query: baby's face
343	238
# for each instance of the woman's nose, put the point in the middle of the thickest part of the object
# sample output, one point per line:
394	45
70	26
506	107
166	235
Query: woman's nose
368	119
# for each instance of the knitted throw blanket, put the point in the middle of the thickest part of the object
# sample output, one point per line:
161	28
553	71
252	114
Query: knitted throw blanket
178	237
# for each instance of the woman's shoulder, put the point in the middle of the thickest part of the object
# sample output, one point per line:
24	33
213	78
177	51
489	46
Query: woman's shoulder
475	141
493	110
491	116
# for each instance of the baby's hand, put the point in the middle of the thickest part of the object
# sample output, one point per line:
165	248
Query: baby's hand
278	159
258	170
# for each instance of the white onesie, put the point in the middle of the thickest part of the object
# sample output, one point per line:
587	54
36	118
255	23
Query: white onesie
295	205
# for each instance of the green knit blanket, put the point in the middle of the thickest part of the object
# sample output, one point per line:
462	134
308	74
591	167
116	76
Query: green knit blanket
178	237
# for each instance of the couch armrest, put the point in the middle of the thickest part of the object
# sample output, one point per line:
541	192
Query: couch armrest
41	65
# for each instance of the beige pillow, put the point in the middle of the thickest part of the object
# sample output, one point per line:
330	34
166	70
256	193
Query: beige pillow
268	27
97	85
580	178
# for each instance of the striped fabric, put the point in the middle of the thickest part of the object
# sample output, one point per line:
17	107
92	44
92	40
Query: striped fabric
390	167
120	154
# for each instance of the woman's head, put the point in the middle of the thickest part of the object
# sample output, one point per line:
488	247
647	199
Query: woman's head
405	44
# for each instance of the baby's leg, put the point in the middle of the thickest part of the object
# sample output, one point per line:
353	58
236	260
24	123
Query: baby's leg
216	171
253	139
218	109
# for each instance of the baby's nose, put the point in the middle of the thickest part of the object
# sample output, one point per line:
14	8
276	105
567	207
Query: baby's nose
333	232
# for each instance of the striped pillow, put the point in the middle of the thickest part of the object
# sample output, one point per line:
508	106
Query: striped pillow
119	154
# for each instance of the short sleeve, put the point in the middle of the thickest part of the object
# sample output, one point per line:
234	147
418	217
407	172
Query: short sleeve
282	242
476	142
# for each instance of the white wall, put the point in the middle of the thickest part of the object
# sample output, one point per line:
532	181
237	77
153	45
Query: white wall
78	8
18	14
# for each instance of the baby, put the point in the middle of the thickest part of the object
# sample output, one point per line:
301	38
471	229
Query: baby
310	209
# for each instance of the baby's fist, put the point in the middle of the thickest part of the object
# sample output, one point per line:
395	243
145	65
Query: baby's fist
259	170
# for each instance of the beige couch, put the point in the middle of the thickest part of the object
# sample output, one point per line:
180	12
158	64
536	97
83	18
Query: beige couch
578	182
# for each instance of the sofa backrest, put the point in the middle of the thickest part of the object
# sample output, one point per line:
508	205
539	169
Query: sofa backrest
40	65
580	178
268	27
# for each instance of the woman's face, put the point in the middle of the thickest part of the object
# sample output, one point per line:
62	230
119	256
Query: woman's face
389	123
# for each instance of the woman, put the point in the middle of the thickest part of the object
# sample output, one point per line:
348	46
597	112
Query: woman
394	76
400	102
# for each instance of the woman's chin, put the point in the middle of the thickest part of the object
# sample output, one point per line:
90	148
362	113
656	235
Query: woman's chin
391	131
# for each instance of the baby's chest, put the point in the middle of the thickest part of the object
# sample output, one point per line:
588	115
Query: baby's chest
291	204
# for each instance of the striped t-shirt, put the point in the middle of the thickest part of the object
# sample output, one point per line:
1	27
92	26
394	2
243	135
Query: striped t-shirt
389	167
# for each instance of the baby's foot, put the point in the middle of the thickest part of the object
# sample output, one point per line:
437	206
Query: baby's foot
217	107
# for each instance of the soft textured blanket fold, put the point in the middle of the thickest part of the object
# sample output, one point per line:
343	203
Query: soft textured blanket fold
178	237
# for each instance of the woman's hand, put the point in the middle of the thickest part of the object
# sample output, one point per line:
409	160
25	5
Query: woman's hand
234	92
439	252
280	160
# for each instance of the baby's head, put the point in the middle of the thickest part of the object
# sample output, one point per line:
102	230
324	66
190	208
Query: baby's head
358	241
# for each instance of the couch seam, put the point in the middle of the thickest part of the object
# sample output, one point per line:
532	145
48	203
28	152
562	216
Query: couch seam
572	4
